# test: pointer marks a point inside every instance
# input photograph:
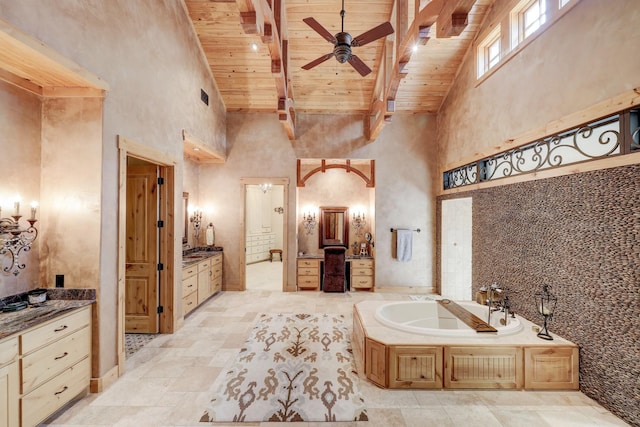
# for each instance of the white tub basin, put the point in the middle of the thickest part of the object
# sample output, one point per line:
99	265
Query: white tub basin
429	318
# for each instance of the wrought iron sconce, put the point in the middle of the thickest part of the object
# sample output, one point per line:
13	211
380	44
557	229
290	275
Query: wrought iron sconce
358	223
309	222
196	219
546	305
15	240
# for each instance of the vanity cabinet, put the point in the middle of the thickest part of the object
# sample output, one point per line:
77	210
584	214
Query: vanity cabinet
189	288
362	274
55	365
216	274
204	280
258	245
201	280
9	382
308	273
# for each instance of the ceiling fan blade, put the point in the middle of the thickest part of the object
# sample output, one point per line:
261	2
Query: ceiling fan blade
360	66
318	61
381	30
320	30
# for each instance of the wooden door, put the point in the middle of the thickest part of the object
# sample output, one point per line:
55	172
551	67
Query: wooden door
141	252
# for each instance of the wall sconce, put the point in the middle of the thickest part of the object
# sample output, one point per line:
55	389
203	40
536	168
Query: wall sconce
14	240
358	223
196	219
546	303
309	222
265	187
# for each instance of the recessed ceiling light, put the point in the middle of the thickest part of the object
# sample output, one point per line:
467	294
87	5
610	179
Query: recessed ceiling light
254	46
415	47
196	149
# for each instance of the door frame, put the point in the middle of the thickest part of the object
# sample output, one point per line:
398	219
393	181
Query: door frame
166	194
244	182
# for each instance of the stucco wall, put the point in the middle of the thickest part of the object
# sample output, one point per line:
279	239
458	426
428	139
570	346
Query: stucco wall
148	54
20	121
582	59
257	146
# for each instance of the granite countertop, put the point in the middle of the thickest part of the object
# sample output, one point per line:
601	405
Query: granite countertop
59	301
320	256
197	256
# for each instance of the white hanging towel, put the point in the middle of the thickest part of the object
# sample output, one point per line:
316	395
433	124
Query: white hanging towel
404	243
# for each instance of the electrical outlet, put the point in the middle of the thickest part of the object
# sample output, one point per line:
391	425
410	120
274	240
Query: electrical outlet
59	280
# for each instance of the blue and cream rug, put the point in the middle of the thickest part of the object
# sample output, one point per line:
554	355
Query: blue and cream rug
293	367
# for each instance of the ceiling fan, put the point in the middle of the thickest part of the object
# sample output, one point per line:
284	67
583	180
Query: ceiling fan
343	42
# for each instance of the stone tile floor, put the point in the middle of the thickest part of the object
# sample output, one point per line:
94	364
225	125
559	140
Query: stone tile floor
168	381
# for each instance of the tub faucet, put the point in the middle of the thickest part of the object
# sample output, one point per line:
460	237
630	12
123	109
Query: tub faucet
493	289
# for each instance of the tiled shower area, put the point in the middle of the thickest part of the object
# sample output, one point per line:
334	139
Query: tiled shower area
580	234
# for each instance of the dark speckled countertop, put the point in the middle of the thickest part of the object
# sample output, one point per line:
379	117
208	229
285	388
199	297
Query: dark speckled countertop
59	301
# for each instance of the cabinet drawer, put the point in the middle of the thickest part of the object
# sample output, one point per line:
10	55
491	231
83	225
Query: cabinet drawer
362	272
216	284
216	260
361	282
307	271
189	302
189	271
308	263
52	395
8	351
362	263
54	330
189	285
204	265
217	271
308	281
49	361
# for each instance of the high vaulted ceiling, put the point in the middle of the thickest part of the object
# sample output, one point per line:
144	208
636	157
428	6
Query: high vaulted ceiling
413	68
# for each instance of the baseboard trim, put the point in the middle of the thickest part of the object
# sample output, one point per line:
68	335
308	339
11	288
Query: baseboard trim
97	385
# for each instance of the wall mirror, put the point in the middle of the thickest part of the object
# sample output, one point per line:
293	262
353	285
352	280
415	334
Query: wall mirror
334	226
185	216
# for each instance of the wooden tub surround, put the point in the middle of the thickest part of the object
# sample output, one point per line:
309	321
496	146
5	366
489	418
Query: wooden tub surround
402	360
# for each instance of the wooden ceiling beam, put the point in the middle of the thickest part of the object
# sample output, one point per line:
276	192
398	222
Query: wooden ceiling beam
267	19
453	18
416	34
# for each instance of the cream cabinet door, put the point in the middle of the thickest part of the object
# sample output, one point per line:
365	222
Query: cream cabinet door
9	392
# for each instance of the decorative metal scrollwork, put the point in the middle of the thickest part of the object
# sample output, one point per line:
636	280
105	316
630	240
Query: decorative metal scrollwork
595	140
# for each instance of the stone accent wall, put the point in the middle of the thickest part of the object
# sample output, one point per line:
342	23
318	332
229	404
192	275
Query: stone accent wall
581	235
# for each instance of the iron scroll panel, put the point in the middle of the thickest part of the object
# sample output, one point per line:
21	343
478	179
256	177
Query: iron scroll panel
609	136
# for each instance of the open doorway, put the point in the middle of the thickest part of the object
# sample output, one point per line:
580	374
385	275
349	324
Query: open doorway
146	298
264	232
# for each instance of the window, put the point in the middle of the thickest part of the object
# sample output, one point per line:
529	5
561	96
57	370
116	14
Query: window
522	23
526	18
489	52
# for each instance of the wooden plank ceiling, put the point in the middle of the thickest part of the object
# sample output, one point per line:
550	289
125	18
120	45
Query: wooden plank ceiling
269	78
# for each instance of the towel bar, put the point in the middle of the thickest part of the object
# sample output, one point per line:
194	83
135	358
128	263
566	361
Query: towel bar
417	230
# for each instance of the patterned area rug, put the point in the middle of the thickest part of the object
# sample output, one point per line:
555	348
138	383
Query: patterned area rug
134	342
293	367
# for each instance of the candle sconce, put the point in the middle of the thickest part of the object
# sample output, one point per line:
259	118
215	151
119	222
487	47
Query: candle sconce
309	222
546	304
358	223
196	220
15	240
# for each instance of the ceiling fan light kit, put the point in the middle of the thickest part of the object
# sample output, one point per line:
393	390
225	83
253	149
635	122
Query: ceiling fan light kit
343	42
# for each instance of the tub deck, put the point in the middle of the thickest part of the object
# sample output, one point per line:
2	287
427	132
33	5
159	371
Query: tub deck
470	319
397	359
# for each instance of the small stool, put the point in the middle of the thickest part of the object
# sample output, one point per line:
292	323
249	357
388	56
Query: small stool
275	251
